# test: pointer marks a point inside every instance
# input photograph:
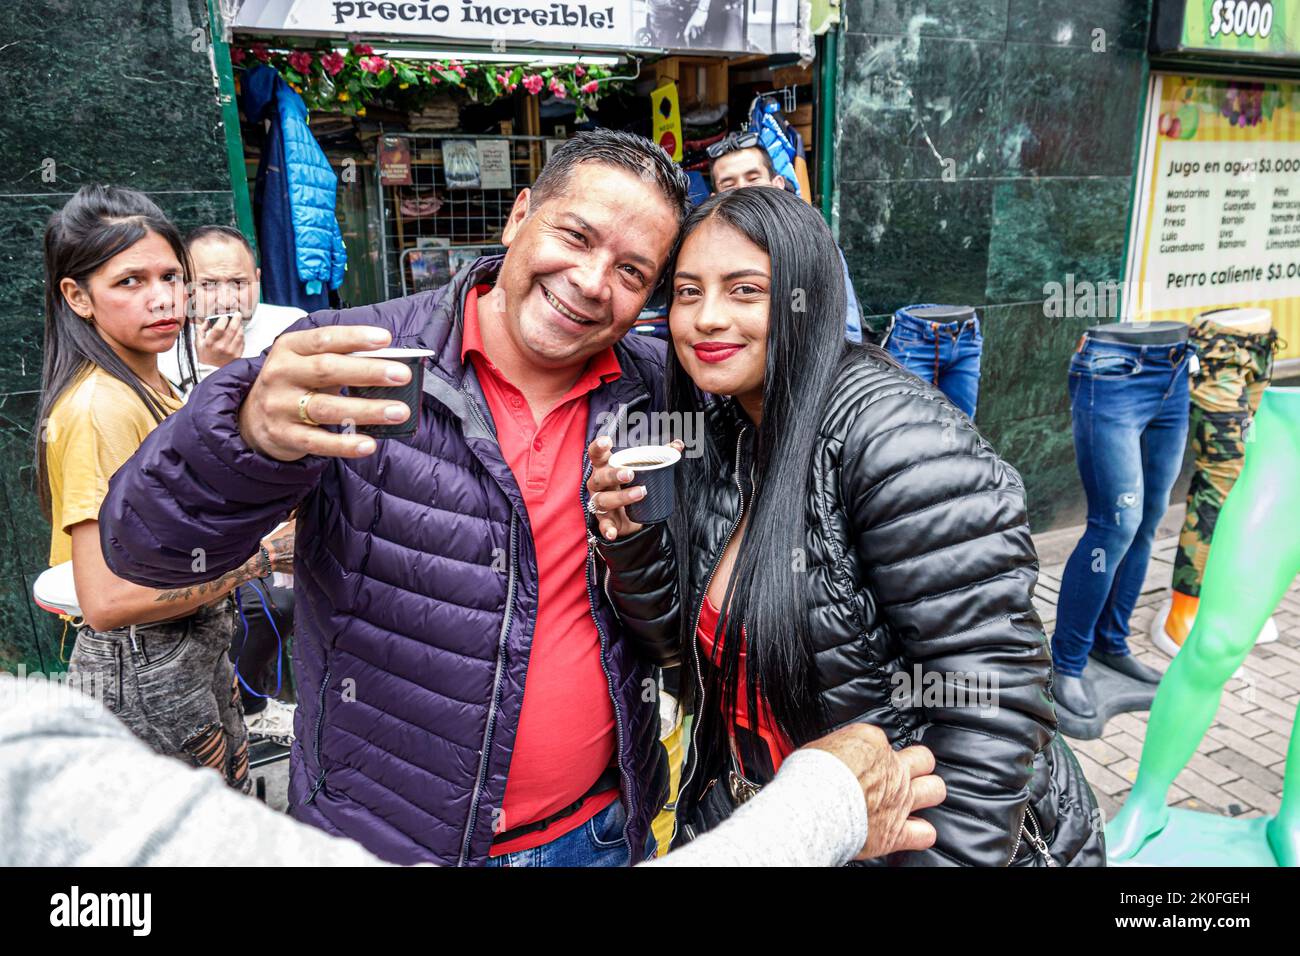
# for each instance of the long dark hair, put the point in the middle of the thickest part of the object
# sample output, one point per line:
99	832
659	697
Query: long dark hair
767	593
92	227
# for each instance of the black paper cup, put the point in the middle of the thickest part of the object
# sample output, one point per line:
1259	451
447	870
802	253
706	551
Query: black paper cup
653	467
408	394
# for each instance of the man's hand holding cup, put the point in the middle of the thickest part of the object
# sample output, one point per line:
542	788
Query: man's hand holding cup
297	395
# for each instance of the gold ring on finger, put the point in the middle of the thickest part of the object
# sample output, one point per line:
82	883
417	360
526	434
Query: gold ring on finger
302	408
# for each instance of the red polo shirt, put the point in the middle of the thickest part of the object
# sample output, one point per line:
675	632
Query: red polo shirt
566	735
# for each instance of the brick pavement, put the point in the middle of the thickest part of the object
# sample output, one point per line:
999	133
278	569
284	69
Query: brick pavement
1238	768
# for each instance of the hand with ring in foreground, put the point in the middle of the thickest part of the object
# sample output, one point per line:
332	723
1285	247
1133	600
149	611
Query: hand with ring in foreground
895	784
298	390
607	498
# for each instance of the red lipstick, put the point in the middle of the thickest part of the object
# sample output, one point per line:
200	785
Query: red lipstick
715	351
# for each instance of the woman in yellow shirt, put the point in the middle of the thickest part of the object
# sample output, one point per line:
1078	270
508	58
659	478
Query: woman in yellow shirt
115	294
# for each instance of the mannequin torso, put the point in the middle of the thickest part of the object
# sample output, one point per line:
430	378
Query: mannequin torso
1140	333
1245	321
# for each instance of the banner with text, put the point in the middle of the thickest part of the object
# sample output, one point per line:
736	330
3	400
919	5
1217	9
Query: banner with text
725	26
1242	26
1217	223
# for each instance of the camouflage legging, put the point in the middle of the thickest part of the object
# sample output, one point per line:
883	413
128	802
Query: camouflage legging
1225	392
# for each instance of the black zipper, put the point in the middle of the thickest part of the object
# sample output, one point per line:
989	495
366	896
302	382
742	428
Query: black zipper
496	689
692	755
320	719
633	852
490	729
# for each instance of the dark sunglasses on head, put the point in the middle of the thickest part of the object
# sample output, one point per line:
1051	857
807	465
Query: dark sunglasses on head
730	143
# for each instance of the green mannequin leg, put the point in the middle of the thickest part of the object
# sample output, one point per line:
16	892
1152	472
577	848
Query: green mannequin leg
1284	829
1253	560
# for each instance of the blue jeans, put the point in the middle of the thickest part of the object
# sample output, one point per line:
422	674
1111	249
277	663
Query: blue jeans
598	842
1130	405
945	354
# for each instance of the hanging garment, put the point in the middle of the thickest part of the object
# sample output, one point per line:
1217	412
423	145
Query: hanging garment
1129	406
303	255
773	137
801	168
1225	393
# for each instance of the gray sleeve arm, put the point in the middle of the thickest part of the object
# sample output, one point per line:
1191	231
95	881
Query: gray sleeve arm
812	814
78	789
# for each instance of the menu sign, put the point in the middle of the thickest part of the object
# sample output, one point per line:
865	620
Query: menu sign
1218	221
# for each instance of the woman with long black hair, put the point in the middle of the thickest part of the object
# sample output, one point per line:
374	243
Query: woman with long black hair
847	548
115	297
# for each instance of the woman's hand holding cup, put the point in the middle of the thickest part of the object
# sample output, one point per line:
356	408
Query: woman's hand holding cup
608	498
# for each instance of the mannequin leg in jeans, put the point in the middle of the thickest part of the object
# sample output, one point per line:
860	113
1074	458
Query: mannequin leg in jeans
1129	409
1254	558
960	376
1162	459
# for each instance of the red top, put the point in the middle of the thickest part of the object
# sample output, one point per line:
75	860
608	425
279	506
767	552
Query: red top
778	745
566	736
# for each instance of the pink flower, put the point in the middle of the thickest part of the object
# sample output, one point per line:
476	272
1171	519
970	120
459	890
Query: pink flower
589	87
333	62
456	68
533	84
300	61
556	87
503	79
260	51
579	72
363	49
373	64
238	54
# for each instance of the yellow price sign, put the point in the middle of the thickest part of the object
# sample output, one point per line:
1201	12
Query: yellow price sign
667	119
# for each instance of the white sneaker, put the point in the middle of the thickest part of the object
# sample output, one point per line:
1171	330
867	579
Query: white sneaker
274	722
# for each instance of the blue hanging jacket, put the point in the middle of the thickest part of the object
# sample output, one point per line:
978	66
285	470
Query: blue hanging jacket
311	183
773	139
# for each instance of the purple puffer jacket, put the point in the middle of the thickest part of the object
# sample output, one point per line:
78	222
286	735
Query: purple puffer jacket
416	590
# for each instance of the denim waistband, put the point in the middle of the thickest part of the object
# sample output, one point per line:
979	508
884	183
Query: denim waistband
1172	354
904	317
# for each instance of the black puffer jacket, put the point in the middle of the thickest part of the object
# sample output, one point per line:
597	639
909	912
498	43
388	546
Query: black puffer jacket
920	561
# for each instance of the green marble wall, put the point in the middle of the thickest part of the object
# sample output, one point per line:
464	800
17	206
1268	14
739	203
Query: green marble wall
92	91
1042	133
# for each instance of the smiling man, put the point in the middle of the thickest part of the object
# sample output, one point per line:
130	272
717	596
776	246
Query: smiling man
467	694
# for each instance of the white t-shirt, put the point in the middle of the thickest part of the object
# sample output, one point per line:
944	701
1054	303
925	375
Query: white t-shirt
260	331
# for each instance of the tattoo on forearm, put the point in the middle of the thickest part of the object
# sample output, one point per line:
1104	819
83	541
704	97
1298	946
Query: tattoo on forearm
250	569
282	544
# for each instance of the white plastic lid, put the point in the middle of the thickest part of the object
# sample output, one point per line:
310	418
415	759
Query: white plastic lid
660	456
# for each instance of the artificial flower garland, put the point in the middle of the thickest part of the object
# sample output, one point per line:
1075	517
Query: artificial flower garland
349	82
